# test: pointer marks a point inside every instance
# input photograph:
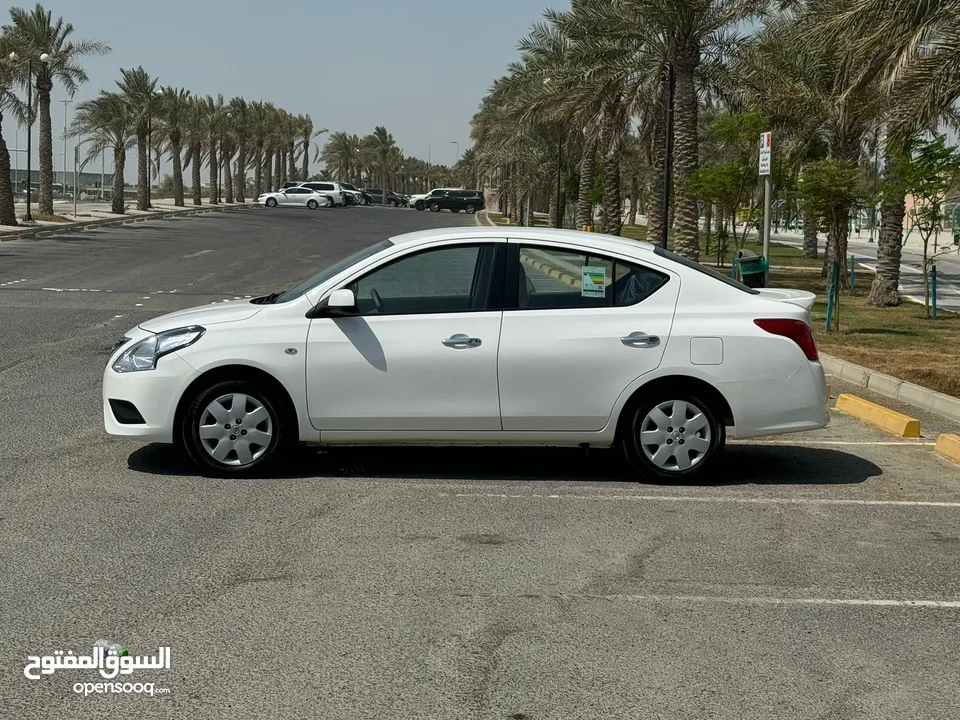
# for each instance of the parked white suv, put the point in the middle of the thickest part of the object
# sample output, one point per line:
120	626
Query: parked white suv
332	189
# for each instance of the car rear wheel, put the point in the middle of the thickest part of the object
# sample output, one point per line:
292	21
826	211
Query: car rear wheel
434	207
329	202
271	202
313	204
672	436
363	201
234	428
470	209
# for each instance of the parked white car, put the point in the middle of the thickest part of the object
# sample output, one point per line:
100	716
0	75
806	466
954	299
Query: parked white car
334	189
297	196
550	337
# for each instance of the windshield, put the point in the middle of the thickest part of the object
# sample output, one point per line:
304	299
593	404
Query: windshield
705	270
348	186
334	269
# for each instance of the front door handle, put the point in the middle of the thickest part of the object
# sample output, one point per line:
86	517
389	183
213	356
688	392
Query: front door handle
640	338
462	341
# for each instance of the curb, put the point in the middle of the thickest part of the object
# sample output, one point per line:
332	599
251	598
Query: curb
65	228
482	219
948	446
892	387
879	416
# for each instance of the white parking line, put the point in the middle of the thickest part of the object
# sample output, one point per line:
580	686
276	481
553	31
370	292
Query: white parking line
708	499
197	254
721	600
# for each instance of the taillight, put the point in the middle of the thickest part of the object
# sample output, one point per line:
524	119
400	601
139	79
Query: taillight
796	330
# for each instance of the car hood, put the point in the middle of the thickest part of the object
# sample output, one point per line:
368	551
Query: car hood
221	312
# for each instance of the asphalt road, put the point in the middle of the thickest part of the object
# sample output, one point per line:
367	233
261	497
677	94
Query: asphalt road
814	576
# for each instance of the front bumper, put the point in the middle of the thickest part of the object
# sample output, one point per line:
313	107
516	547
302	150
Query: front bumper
153	394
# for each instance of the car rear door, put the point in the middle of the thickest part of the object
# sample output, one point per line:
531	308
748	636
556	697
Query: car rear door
578	328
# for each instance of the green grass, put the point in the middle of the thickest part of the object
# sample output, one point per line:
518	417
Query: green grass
897	341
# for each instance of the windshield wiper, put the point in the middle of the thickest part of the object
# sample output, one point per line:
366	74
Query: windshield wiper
268	299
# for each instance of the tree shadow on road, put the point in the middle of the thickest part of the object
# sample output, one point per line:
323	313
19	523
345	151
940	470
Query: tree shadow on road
741	464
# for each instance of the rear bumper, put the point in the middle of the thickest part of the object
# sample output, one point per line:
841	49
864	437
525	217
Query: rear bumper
796	404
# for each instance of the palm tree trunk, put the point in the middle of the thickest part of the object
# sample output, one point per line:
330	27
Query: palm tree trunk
195	172
291	160
7	214
654	209
258	172
277	169
175	149
214	169
119	159
634	199
686	154
142	179
588	168
305	160
240	171
811	241
227	175
614	127
45	204
885	290
267	170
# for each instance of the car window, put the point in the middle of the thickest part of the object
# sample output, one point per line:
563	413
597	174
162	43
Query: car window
335	269
324	186
444	280
705	270
298	191
550	278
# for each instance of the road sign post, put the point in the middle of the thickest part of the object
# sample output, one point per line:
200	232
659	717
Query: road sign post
766	150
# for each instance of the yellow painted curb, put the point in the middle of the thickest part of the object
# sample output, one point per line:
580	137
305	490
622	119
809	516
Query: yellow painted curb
948	446
884	418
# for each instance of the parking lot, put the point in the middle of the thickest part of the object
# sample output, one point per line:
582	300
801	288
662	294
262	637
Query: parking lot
815	576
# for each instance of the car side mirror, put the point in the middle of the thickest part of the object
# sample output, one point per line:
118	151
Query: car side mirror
339	303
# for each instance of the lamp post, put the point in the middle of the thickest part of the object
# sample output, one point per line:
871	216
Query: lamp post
43	58
63	177
454	142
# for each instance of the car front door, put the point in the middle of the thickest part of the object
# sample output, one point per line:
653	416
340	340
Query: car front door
578	328
420	354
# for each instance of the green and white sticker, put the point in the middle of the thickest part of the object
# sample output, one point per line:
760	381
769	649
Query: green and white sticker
594	281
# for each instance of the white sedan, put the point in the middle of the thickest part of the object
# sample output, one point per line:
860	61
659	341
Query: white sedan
461	336
297	196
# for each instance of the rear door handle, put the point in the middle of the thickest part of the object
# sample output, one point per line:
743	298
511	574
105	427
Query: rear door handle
640	338
462	341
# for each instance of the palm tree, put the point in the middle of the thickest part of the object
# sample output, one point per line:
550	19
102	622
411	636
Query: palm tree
213	132
9	105
139	90
240	123
109	124
31	34
380	147
339	154
173	107
196	125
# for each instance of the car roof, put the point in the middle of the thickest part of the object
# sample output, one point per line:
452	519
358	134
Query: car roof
596	241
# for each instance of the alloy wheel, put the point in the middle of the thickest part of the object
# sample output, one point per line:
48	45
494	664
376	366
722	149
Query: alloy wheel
236	429
674	435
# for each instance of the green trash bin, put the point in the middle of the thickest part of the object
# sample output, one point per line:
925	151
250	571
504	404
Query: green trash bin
752	268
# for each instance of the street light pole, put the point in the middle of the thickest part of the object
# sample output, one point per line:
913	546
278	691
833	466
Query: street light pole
28	217
63	177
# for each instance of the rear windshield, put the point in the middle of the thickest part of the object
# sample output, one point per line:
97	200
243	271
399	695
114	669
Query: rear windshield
704	269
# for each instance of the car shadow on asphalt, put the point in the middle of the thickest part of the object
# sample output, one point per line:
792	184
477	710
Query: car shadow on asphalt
740	464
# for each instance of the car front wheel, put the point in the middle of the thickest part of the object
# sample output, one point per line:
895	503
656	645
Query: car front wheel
419	206
233	428
672	436
271	202
434	207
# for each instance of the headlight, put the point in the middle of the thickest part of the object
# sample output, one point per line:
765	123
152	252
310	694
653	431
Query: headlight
144	355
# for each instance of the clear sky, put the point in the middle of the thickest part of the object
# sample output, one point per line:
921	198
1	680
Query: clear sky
418	67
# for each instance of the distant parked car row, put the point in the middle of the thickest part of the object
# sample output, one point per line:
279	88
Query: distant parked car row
332	193
452	199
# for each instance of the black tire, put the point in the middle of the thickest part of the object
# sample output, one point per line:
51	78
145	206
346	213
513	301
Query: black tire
434	207
363	200
636	452
330	202
313	204
271	202
470	209
281	435
419	205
